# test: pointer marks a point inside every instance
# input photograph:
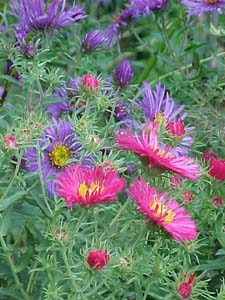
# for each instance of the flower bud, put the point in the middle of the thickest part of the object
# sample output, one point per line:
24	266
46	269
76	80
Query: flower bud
10	142
97	259
90	82
124	73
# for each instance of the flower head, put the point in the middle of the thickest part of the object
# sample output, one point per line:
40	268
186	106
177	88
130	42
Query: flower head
147	145
85	186
121	111
93	40
124	73
97	259
90	82
58	145
145	7
10	142
199	7
217	201
217	169
185	287
167	214
37	14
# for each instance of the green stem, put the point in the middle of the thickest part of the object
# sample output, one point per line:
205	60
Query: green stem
202	61
13	269
119	213
68	269
42	181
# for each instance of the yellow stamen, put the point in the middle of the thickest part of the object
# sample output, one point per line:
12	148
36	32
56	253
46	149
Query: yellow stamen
59	155
211	1
161	210
84	188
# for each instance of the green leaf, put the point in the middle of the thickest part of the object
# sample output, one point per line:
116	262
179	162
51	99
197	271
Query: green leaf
216	264
220	235
6	202
5	220
9	293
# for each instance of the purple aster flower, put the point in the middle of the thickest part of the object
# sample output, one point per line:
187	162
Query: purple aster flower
29	50
158	104
57	108
121	111
73	86
124	73
113	32
145	7
58	145
37	14
131	168
199	7
93	40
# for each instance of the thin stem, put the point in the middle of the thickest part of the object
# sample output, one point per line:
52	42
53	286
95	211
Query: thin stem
68	269
42	181
13	269
119	213
202	61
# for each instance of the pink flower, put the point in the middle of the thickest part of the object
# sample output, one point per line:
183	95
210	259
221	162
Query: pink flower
217	201
97	259
188	196
185	288
90	82
147	145
85	186
167	214
176	128
207	155
217	169
10	141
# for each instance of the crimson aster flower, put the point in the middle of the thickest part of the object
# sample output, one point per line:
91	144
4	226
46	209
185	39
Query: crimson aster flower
97	259
85	186
146	145
199	7
58	145
167	214
217	169
38	14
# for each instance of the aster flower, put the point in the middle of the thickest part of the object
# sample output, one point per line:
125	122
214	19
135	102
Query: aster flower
93	40
167	214
90	82
58	145
217	169
124	73
199	7
147	145
97	259
121	111
37	14
145	7
86	186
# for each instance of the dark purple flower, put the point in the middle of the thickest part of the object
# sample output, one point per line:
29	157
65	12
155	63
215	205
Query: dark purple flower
38	14
58	145
121	111
124	73
93	40
29	50
131	168
199	7
57	108
73	86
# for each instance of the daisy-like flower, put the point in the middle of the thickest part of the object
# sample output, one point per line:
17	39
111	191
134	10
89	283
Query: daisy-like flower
145	7
37	14
167	214
58	145
93	40
199	7
147	145
85	186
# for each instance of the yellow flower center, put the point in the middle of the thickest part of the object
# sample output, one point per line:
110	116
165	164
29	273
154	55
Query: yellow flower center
160	118
161	210
59	155
84	189
211	1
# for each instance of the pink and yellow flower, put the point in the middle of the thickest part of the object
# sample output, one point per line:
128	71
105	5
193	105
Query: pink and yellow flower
85	186
167	214
146	144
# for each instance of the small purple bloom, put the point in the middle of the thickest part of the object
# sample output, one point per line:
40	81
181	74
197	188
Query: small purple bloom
131	168
73	86
158	102
29	50
93	40
58	145
199	7
57	108
121	111
124	73
37	14
145	7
